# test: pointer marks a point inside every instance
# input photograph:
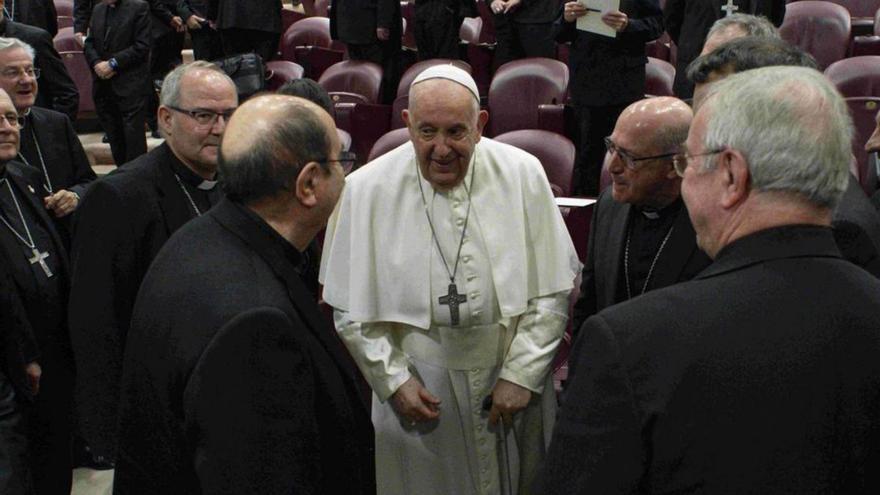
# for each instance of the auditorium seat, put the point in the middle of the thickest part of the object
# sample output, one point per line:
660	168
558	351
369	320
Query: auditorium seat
281	71
353	77
390	140
868	44
64	41
289	17
487	26
661	48
556	153
64	8
366	122
402	99
478	54
79	71
863	111
659	76
819	28
861	13
528	94
308	43
856	76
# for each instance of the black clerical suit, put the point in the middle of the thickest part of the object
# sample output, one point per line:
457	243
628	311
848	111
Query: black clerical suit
251	26
856	226
121	224
234	381
121	32
354	22
39	13
688	23
50	145
82	14
48	414
437	24
165	54
607	75
206	42
603	281
527	31
760	375
57	89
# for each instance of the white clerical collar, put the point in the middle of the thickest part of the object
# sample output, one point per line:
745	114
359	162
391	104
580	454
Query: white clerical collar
207	185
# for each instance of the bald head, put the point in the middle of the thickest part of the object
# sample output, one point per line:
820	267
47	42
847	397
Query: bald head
664	121
267	142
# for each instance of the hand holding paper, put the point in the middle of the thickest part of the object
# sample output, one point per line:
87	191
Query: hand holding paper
597	16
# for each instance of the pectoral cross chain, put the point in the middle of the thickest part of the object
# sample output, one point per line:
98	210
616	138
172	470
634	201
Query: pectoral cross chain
729	8
41	259
453	299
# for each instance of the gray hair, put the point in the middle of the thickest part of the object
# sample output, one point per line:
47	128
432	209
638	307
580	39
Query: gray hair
170	95
276	158
10	43
753	25
747	53
791	125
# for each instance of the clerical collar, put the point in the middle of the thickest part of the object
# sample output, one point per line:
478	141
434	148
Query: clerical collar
657	213
190	177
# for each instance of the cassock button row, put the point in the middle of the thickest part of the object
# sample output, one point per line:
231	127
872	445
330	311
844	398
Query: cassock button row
470	278
459	222
466	258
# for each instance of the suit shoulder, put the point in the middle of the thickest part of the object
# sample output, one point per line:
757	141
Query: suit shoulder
51	116
30	174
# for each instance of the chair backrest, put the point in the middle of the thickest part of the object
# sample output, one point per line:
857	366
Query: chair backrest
856	76
519	87
864	112
354	76
311	31
389	141
281	71
470	29
556	153
402	99
859	8
289	17
487	27
820	28
64	8
65	42
78	68
659	76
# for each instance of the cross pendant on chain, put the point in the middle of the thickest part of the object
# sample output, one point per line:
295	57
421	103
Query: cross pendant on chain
41	259
729	8
453	299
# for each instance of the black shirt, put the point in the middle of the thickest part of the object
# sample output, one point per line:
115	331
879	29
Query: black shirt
647	233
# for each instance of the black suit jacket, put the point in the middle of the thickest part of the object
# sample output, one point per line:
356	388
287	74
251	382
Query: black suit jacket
688	22
761	375
39	13
261	15
18	344
82	14
66	161
611	71
234	382
680	260
57	89
355	21
162	12
127	40
121	224
857	228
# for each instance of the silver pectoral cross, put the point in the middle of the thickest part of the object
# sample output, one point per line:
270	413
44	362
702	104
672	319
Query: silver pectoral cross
729	8
41	259
453	299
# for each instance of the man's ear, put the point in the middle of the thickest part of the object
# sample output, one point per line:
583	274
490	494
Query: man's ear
735	176
163	117
404	115
482	118
307	184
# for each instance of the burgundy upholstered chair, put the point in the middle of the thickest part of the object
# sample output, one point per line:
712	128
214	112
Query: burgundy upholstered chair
659	75
281	71
79	71
402	99
863	111
820	28
856	76
478	53
65	42
390	140
556	153
523	89
308	43
357	77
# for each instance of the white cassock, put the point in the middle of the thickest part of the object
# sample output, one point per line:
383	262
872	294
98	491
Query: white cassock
383	275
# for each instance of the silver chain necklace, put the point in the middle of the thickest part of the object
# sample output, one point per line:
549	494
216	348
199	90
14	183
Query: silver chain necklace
452	298
190	198
38	257
42	161
653	263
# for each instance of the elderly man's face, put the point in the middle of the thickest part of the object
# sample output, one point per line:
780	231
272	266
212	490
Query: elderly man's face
8	129
193	129
444	126
17	78
643	185
699	187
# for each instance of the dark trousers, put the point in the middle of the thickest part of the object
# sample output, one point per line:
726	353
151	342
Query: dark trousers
236	41
14	478
164	56
594	124
517	40
436	30
123	120
386	54
206	43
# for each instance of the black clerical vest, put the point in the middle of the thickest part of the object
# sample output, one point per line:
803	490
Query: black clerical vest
647	234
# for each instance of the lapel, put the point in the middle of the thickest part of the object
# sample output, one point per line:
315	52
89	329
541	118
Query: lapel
103	29
679	248
613	248
34	193
237	221
175	207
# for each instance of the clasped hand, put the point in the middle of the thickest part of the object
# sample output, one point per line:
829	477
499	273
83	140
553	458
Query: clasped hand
415	403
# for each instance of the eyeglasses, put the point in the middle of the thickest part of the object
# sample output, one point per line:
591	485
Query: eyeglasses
346	158
629	160
680	161
13	120
15	73
204	117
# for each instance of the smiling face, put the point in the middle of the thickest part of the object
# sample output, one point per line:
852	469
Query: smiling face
15	63
444	125
194	144
8	129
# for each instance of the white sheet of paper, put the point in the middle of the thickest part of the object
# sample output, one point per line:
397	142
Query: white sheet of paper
575	202
592	22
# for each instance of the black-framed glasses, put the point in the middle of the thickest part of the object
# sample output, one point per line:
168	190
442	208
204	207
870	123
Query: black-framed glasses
629	160
203	116
680	160
346	158
12	119
15	73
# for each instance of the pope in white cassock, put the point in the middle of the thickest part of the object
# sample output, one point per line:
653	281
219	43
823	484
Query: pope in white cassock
448	266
